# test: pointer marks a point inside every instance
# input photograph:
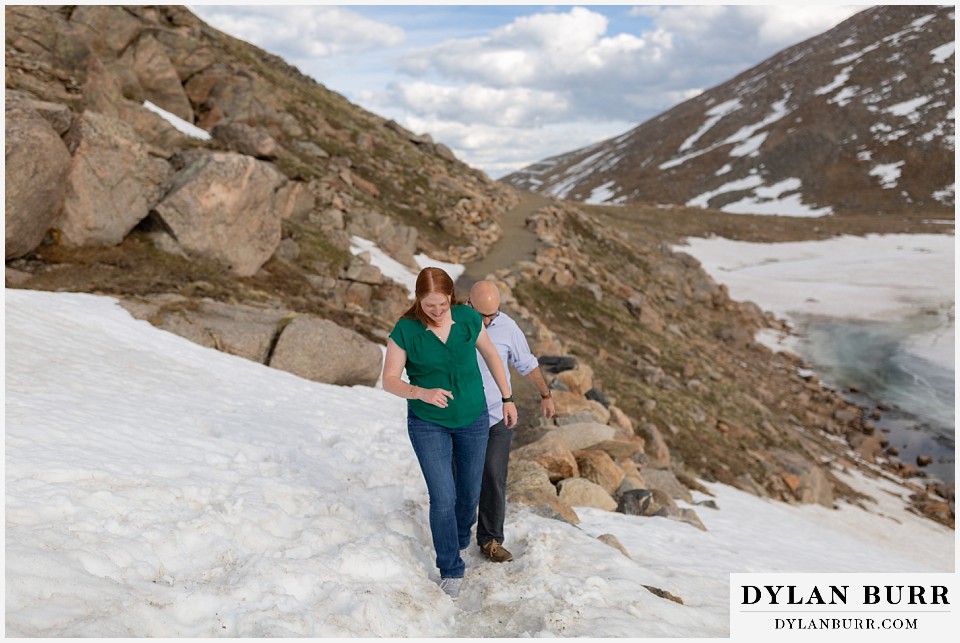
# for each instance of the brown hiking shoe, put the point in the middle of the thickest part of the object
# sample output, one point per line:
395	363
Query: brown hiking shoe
495	552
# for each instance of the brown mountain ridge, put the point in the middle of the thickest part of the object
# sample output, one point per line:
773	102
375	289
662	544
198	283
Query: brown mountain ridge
820	127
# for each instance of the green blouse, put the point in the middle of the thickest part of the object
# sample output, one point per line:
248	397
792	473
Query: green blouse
451	366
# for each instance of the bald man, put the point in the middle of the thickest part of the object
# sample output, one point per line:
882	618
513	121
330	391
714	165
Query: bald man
514	351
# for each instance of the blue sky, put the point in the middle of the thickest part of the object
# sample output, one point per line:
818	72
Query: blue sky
505	86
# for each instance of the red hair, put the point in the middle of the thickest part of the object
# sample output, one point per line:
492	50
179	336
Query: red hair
429	281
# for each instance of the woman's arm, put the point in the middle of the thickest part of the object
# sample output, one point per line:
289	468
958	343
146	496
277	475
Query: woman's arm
490	355
393	365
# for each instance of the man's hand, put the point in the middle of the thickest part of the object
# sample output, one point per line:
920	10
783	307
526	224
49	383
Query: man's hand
547	407
509	414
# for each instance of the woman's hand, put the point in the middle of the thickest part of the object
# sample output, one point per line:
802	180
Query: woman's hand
436	396
509	414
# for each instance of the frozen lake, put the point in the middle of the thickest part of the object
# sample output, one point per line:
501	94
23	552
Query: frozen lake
872	313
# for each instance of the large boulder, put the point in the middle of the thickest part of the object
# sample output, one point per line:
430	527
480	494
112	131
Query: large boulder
571	404
620	449
322	351
665	480
527	475
580	492
238	329
106	90
396	239
656	452
106	30
158	77
582	435
113	182
223	206
188	51
813	484
552	454
246	139
599	468
529	484
68	40
222	93
37	163
578	380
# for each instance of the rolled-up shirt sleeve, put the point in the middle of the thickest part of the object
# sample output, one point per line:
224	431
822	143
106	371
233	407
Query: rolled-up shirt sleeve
521	358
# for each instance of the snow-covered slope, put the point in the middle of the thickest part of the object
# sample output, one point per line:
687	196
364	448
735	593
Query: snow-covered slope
157	488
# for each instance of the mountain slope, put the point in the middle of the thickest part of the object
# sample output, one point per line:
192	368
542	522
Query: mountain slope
858	119
95	71
331	173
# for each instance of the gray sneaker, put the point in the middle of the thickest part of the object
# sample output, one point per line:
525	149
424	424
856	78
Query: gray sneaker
451	586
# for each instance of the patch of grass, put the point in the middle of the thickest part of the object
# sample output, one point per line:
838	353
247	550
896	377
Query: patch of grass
673	225
134	267
295	168
317	252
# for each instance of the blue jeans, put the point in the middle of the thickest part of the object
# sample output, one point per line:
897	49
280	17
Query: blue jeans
451	461
493	490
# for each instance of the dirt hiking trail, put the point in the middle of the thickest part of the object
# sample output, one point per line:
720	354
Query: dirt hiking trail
515	244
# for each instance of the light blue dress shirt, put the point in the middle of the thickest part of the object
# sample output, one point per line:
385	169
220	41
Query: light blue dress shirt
511	345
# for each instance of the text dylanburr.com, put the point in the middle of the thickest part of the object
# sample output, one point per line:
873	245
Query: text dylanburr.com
847	607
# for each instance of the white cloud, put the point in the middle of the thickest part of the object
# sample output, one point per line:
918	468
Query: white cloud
301	32
779	24
544	51
501	150
476	104
768	26
572	52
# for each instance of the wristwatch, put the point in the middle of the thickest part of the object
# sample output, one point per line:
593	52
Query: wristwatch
507	399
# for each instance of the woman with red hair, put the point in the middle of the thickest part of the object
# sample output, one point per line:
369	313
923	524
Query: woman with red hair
436	341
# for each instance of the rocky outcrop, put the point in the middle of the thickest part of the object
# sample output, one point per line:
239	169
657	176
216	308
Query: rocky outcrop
157	76
580	492
242	330
312	348
37	163
224	207
246	139
113	182
396	239
108	62
528	483
590	464
322	351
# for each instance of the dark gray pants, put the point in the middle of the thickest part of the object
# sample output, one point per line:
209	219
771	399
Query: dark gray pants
493	487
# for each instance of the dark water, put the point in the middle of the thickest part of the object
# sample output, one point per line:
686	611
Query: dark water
915	396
